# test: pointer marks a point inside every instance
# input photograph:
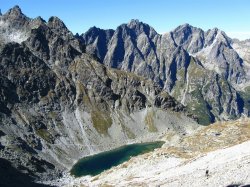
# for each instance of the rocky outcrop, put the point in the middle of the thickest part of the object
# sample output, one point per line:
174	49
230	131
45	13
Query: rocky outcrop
96	41
190	38
15	26
242	48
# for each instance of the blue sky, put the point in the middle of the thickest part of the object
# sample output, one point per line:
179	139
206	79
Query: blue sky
232	16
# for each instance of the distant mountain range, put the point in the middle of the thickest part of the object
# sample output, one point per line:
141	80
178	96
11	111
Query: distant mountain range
205	71
64	96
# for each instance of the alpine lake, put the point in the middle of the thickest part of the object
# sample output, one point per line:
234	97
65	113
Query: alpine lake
96	164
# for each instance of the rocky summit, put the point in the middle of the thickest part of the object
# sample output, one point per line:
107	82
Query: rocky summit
66	96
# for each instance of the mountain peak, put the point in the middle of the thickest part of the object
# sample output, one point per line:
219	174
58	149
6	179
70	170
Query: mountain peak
94	29
140	27
215	29
227	40
40	19
15	12
134	22
185	27
56	23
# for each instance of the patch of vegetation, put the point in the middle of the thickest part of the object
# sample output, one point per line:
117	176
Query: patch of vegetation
60	152
52	115
178	89
86	100
101	121
200	108
128	132
164	94
149	121
83	95
44	134
125	129
195	70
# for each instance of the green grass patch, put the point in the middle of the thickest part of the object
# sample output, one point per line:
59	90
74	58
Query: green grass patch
149	121
101	121
44	134
199	108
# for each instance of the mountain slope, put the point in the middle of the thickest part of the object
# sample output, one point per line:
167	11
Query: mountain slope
220	157
59	104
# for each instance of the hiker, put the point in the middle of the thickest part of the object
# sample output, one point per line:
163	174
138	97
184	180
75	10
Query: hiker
207	175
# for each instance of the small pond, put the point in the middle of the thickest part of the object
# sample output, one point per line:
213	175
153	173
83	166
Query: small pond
95	164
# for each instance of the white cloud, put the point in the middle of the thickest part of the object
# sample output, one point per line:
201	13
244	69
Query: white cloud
241	35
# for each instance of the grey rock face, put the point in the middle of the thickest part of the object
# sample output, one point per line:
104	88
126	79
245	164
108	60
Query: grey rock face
96	41
242	48
190	38
15	14
58	103
173	58
123	50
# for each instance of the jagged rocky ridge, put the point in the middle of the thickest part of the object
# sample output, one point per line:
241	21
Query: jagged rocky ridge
59	103
206	71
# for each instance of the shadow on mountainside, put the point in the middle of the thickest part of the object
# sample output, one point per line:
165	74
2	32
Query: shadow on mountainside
11	177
